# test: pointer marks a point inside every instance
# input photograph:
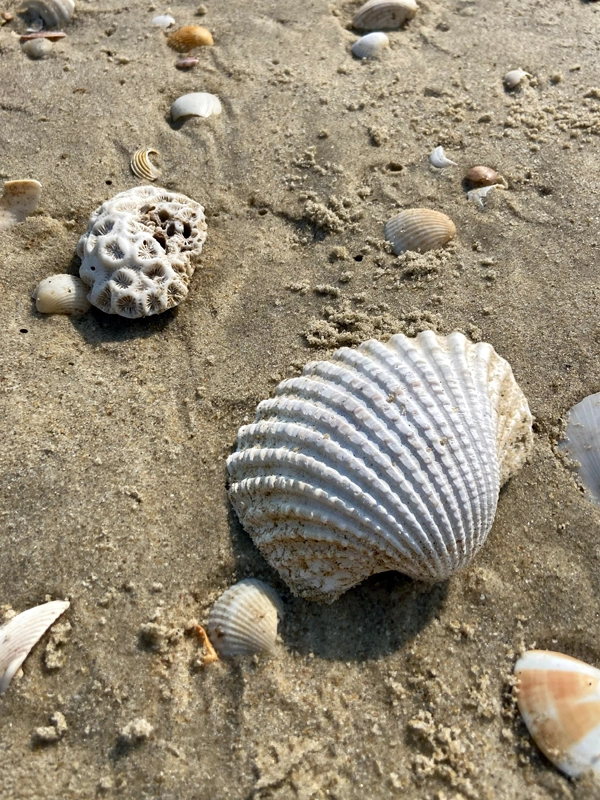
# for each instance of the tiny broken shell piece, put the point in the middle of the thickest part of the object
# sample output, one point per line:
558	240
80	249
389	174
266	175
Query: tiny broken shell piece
142	167
61	294
482	176
37	48
478	196
19	636
163	21
377	15
419	229
19	200
437	159
513	78
191	36
196	104
187	62
370	46
244	619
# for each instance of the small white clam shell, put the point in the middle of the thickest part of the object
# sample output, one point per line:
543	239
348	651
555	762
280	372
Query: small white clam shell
513	78
437	158
142	167
559	700
163	21
19	200
196	104
62	294
478	196
582	443
371	45
419	229
37	48
377	15
244	619
22	632
55	13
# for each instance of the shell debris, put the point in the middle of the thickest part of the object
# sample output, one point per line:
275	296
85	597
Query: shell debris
61	294
19	200
372	45
196	104
142	167
189	37
419	229
378	15
437	159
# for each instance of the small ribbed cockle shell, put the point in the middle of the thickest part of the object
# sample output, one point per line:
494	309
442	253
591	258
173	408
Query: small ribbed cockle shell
559	700
196	104
18	637
437	159
419	229
188	38
19	200
377	15
582	443
142	167
370	46
513	78
387	457
55	13
61	294
244	619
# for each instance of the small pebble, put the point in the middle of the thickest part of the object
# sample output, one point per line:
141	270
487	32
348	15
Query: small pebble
37	48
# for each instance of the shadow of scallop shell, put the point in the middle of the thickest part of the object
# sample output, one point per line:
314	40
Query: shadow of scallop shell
559	700
244	619
370	46
419	229
142	167
55	13
377	15
191	36
196	104
388	457
18	637
19	200
582	443
61	294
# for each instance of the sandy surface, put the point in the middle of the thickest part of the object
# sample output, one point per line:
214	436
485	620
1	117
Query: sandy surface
115	433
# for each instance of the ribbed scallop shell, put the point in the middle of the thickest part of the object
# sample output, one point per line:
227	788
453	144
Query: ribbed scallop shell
19	200
55	13
582	443
196	104
244	619
419	229
142	167
377	15
189	37
62	294
559	700
371	45
388	457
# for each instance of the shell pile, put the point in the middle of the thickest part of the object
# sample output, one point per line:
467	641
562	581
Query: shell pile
388	457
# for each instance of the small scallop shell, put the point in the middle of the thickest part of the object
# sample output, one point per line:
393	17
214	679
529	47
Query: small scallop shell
37	48
513	78
419	229
437	158
482	176
62	294
559	700
582	443
163	21
22	632
370	46
196	104
55	13
377	15
142	167
19	200
185	39
244	619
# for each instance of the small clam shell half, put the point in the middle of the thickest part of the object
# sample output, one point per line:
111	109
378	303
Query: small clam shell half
196	104
191	36
559	700
19	200
370	46
22	632
244	619
62	294
377	15
437	159
142	167
582	443
513	78
419	229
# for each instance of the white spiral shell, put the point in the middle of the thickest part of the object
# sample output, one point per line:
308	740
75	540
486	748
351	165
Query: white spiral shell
370	46
244	619
388	457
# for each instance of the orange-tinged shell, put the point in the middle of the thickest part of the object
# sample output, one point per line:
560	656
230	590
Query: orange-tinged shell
419	229
185	39
482	176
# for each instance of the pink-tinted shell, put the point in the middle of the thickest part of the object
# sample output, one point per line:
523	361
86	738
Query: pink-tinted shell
187	63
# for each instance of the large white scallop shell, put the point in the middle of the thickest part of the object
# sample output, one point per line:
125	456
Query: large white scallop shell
196	104
55	13
370	46
420	229
244	619
582	443
19	636
559	700
388	457
19	200
61	294
377	15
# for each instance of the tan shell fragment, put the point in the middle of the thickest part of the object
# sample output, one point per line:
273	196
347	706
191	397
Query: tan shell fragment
19	200
61	294
419	229
142	167
378	15
191	36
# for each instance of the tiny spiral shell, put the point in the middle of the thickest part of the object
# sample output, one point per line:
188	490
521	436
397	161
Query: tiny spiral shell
419	229
62	294
142	167
185	39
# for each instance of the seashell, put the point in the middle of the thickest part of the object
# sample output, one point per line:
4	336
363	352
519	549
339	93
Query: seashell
61	294
582	443
19	200
478	196
55	13
163	21
185	39
387	457
37	48
244	619
142	167
559	700
377	15
370	46
187	62
420	229
513	78
18	637
482	176
52	36
196	104
437	159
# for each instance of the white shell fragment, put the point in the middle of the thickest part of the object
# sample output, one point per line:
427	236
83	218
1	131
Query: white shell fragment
163	21
196	104
478	195
513	78
19	200
244	619
37	48
582	443
437	159
140	250
377	15
370	46
388	457
419	229
55	13
559	700
61	294
142	167
19	636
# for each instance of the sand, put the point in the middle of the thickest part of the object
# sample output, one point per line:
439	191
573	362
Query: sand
114	433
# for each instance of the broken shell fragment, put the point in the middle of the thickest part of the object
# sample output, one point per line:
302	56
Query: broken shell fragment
196	104
378	15
142	167
559	700
191	36
370	46
61	294
478	196
37	48
52	36
19	200
55	13
419	229
244	619
513	78
18	637
482	176
437	159
582	443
